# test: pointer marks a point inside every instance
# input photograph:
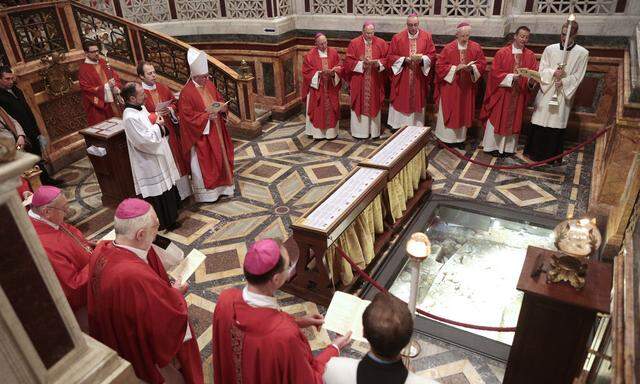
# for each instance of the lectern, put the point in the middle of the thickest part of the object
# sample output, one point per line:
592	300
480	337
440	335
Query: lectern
555	322
110	159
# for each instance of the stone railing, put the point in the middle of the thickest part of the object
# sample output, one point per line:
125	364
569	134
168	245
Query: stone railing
33	32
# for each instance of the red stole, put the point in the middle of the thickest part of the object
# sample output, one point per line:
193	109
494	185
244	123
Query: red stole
215	150
69	253
459	97
134	310
261	345
160	94
505	106
366	89
409	89
92	78
324	103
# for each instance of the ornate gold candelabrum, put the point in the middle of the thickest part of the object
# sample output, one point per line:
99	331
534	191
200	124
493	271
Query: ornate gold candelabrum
577	240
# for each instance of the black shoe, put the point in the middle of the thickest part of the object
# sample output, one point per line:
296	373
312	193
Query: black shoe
506	155
174	226
494	153
48	180
460	145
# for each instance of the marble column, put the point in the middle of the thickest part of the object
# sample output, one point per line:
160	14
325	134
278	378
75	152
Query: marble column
40	340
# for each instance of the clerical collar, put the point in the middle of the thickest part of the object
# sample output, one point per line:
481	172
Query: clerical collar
515	50
257	300
379	360
87	61
43	220
415	36
136	107
138	252
147	87
570	47
462	47
322	53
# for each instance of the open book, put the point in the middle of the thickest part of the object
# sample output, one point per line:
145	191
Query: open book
216	106
345	314
529	73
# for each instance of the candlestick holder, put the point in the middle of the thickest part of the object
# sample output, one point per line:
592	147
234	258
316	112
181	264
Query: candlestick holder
418	248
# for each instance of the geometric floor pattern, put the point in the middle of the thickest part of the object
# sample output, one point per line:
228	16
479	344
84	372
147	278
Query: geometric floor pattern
282	173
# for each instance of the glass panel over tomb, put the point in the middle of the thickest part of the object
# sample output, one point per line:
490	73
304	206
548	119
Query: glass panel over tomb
473	269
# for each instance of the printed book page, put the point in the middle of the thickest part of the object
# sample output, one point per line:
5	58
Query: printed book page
345	314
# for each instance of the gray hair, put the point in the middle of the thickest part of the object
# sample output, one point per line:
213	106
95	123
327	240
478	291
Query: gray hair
128	227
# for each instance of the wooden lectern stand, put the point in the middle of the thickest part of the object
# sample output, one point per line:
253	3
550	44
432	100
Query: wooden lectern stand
555	322
112	169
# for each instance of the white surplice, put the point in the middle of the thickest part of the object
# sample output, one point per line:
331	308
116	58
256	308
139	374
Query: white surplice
545	115
183	184
200	193
365	126
443	133
492	141
152	166
397	119
310	130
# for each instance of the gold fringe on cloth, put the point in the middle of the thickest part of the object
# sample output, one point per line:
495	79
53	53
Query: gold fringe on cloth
401	188
357	241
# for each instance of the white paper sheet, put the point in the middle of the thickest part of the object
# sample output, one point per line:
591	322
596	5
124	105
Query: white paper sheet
345	314
183	271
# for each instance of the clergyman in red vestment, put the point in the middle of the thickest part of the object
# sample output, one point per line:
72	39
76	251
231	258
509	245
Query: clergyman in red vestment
410	58
159	94
254	342
364	68
203	132
67	249
507	95
321	90
459	67
100	86
134	308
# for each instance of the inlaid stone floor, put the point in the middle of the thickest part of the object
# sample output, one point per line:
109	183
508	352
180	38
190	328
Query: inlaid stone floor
282	173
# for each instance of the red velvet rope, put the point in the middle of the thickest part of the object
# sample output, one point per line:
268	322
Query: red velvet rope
526	165
370	280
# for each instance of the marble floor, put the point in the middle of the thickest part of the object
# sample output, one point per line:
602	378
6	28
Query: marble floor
282	173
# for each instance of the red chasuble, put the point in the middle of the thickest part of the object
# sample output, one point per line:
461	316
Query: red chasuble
215	150
92	79
134	310
459	97
263	345
69	253
409	89
367	88
324	102
160	94
505	106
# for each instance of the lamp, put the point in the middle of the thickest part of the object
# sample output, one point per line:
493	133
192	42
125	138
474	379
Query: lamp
418	248
577	240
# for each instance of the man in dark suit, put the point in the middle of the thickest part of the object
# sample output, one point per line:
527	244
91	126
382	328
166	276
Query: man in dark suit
13	101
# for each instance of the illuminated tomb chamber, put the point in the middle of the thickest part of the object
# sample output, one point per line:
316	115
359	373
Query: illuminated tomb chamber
477	253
